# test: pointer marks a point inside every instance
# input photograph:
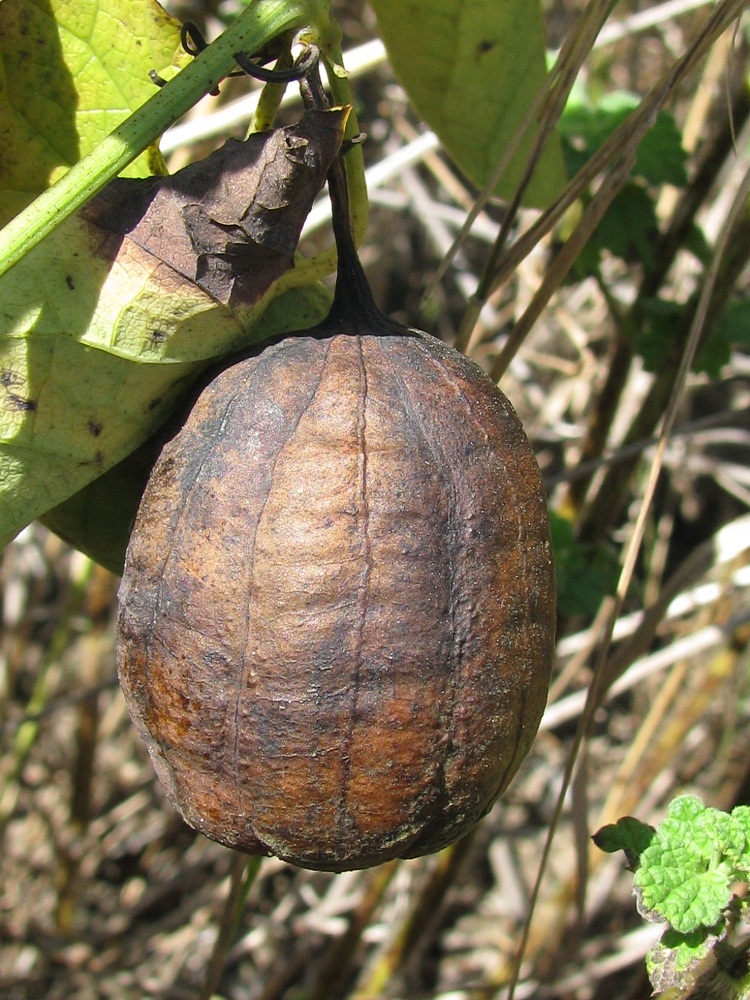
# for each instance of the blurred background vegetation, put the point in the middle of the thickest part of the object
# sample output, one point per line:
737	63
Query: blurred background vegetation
105	893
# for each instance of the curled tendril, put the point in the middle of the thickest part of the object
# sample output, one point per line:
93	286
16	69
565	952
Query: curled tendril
193	42
155	78
192	39
301	68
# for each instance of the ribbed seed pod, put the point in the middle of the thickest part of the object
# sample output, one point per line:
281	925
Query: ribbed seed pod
338	611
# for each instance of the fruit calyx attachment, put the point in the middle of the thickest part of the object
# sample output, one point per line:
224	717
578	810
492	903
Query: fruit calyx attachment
353	309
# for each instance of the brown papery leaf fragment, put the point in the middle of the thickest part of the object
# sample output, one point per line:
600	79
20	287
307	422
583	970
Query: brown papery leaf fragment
230	223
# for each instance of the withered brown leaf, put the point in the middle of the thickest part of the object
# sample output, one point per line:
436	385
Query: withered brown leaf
231	222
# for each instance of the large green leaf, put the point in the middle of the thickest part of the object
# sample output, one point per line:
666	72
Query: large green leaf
472	70
70	72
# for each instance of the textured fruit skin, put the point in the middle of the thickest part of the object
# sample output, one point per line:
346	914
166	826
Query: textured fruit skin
337	611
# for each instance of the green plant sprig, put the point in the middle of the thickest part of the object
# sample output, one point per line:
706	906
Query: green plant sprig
260	22
687	873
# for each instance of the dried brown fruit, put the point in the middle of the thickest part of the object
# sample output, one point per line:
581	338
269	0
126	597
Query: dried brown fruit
337	612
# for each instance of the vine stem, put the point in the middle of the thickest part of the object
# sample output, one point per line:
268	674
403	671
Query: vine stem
260	22
242	875
353	306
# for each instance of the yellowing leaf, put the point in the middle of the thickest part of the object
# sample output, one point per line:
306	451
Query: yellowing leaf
472	70
70	72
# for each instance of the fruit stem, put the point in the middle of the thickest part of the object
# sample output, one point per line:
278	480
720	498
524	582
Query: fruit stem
353	308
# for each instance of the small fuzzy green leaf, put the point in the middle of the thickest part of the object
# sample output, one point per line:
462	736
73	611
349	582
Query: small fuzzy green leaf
627	834
738	848
670	886
472	70
686	825
684	877
671	963
719	831
741	814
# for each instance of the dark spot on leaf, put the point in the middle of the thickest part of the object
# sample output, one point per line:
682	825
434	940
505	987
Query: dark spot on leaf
15	401
99	458
486	45
154	403
19	403
69	282
157	336
94	427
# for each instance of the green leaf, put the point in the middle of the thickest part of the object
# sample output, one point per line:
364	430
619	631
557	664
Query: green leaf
98	519
583	572
586	125
251	30
472	70
95	351
660	158
72	72
627	834
684	876
705	830
665	322
658	336
627	229
671	887
738	847
629	226
733	325
672	962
